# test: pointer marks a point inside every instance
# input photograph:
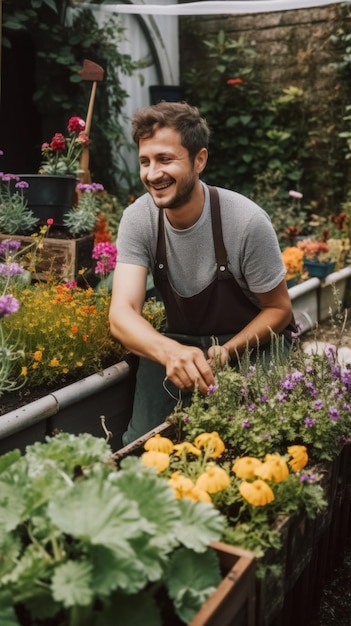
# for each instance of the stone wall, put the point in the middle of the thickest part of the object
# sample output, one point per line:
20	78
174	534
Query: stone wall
293	47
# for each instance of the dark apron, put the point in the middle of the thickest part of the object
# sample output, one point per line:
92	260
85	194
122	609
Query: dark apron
221	311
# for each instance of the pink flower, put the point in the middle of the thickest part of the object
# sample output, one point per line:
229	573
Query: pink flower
106	255
295	194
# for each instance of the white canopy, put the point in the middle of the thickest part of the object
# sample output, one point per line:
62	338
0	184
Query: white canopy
217	7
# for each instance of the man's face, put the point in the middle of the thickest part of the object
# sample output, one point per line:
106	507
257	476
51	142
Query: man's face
166	169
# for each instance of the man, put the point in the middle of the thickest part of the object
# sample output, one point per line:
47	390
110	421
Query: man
215	259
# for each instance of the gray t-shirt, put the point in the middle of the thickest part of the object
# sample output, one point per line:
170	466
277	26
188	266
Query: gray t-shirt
253	251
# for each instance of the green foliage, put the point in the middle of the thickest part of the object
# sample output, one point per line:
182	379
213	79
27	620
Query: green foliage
64	38
81	541
15	215
249	130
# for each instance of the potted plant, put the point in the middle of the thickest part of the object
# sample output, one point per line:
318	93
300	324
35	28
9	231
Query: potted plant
82	541
51	193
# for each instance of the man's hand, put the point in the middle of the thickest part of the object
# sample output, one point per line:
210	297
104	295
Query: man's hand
187	367
218	356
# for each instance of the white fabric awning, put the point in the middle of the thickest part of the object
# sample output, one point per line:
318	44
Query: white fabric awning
218	7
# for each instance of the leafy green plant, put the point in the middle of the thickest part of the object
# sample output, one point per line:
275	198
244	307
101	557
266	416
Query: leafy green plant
82	542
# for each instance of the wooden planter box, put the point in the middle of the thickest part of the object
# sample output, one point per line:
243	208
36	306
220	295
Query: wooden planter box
62	257
233	602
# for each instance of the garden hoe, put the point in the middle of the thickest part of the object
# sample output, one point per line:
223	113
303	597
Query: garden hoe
92	72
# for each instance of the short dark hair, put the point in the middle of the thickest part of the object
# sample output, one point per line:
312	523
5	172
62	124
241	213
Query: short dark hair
180	116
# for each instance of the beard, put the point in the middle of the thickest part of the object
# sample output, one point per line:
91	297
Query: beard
180	198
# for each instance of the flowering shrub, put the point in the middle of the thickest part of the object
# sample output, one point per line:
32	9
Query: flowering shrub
69	338
62	154
250	492
256	410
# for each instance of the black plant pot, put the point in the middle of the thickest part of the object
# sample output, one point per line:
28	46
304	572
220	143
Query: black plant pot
49	195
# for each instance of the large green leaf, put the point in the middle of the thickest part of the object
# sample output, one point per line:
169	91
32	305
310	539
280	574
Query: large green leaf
154	498
201	523
96	511
191	579
11	505
116	569
6	460
71	584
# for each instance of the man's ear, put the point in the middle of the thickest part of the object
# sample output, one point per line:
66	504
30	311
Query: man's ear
201	160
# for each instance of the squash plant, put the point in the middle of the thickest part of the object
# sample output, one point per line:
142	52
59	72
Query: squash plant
82	542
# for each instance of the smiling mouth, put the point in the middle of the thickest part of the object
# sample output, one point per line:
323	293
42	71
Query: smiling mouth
161	186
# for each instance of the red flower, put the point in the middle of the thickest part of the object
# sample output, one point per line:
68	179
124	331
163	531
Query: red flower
235	81
76	125
58	143
49	221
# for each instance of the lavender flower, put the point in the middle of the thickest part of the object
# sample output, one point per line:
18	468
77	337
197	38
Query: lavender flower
8	305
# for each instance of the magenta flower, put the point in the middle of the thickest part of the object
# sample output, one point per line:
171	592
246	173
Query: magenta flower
106	255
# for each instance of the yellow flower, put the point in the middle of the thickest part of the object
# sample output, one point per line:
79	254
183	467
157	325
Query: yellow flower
198	495
293	261
159	444
186	447
274	468
245	467
38	355
54	362
257	493
181	485
299	457
152	458
24	371
212	442
213	479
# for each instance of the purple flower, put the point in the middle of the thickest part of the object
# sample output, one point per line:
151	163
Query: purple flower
11	269
318	404
8	305
264	398
281	397
9	245
310	422
334	414
186	419
22	184
246	423
211	389
229	418
251	407
307	478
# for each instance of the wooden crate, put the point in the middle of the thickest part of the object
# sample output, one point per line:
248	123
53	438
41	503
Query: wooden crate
61	257
233	602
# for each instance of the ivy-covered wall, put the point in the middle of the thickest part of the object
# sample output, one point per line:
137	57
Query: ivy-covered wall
307	49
